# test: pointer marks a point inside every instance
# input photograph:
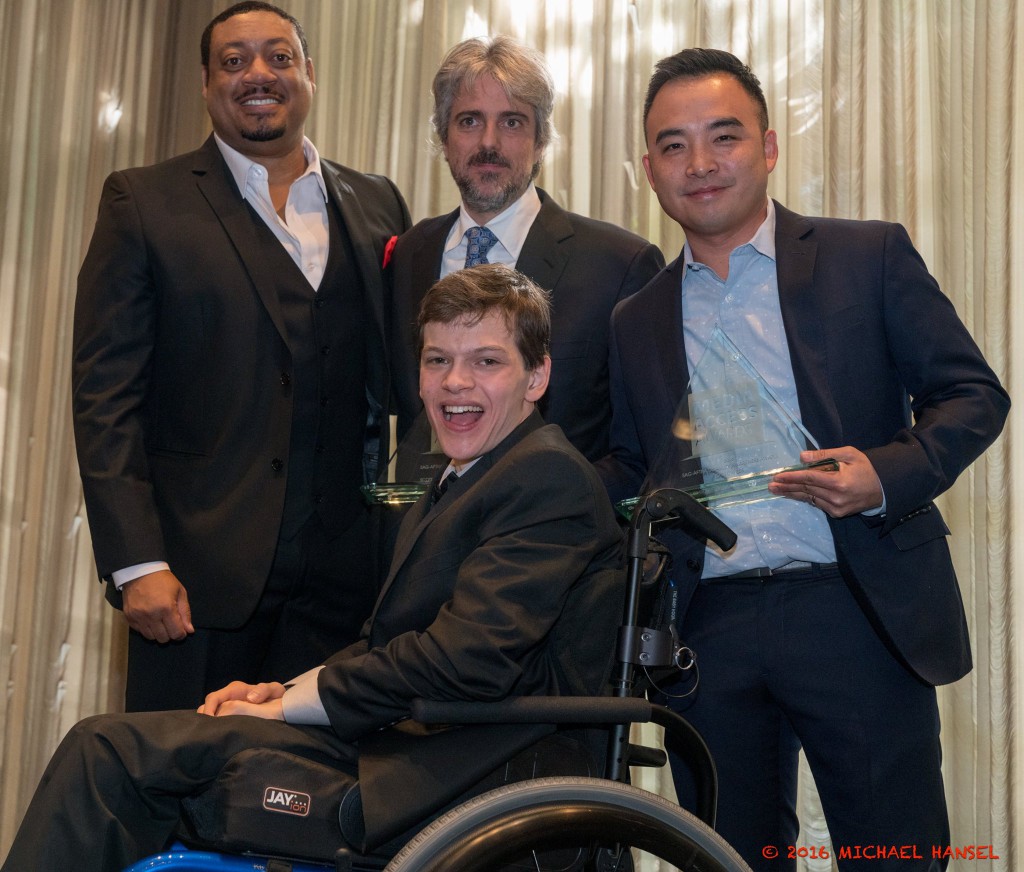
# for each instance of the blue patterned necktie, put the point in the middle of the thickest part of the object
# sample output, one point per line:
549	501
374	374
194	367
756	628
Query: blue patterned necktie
480	241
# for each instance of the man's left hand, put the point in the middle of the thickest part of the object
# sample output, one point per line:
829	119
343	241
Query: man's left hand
238	698
852	489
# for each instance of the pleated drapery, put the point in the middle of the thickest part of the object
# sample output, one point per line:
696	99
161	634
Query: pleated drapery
904	110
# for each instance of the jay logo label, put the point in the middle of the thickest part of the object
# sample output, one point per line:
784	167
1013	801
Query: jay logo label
288	801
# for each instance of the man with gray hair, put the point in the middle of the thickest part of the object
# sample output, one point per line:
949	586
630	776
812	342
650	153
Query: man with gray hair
493	100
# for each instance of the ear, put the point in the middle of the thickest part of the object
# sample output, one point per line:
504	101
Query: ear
310	73
204	73
647	169
539	381
771	149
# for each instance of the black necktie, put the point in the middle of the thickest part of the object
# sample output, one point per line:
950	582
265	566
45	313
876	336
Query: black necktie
441	489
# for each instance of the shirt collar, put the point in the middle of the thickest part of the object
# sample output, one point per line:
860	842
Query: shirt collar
511	226
242	167
763	241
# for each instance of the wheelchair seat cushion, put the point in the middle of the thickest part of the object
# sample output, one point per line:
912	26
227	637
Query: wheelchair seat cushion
273	802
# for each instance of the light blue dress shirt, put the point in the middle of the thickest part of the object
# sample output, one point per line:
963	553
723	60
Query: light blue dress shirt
746	307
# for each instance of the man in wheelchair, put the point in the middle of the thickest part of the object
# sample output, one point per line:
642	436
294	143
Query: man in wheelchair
504	582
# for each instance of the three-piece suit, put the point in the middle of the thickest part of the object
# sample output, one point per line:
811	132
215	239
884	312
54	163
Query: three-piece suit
220	404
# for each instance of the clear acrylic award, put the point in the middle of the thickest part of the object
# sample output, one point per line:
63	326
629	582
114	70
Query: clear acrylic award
731	434
411	468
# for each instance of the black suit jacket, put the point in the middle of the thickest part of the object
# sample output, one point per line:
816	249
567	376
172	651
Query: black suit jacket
882	363
509	585
588	265
182	408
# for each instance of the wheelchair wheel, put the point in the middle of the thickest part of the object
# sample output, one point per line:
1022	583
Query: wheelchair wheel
601	818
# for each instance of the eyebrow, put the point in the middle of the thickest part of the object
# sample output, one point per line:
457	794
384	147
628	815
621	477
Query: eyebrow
483	349
244	44
717	124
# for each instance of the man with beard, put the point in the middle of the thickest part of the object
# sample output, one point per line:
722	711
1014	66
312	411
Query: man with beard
492	114
229	379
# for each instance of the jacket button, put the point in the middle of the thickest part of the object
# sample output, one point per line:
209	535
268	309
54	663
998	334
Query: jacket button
277	464
325	350
324	401
693	565
286	379
318	499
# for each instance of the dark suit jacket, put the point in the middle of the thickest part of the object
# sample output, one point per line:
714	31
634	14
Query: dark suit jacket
882	363
509	585
588	266
181	401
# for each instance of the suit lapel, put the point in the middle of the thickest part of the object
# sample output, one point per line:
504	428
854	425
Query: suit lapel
796	250
670	372
424	513
546	250
368	263
215	184
428	252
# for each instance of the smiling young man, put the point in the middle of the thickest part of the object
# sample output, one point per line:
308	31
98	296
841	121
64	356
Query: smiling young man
221	446
493	100
838	611
508	584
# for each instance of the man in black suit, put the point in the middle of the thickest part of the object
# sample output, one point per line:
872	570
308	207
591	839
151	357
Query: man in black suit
229	381
505	584
492	115
838	611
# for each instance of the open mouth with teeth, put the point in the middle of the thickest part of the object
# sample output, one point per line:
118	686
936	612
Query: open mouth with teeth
463	415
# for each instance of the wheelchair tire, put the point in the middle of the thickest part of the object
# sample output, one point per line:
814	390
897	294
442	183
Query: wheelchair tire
496	828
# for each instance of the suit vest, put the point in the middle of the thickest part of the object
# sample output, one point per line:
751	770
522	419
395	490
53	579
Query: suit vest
326	336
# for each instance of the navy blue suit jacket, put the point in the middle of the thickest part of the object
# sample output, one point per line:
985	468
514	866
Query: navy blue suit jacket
882	363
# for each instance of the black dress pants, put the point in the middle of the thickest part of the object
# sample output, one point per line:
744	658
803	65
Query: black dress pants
791	661
112	792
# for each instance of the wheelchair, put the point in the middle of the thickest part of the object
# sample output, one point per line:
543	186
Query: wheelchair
561	823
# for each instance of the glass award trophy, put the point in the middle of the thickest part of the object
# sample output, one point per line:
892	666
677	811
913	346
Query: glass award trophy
730	436
411	468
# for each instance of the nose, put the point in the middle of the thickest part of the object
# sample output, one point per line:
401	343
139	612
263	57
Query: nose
260	71
459	377
702	162
489	138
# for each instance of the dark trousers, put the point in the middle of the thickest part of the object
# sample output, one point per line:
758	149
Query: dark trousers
792	661
112	792
319	593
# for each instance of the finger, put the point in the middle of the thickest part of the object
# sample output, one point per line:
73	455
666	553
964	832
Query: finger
260	693
185	612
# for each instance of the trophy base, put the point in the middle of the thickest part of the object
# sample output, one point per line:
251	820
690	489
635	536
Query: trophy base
393	494
738	491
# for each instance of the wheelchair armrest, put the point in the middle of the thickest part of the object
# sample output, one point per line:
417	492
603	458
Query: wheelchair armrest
534	710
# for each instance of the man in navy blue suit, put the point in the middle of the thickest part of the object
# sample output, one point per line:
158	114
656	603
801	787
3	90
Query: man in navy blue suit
838	611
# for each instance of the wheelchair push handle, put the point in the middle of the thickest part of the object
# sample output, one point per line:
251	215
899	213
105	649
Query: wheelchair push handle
694	518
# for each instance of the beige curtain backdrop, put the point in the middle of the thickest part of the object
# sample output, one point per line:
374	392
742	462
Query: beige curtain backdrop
905	110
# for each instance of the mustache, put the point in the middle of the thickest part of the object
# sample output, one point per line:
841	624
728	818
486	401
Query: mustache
488	157
260	91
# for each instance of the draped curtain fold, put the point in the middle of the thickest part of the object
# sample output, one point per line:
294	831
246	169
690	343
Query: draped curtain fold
904	110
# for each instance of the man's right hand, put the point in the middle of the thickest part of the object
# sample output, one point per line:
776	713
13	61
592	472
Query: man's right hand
156	605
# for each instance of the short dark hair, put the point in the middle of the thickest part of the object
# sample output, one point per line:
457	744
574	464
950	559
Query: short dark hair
466	296
695	63
519	69
242	9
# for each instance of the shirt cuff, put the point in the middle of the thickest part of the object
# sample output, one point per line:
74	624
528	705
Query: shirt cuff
301	703
121	577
